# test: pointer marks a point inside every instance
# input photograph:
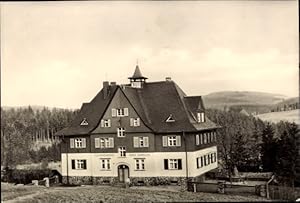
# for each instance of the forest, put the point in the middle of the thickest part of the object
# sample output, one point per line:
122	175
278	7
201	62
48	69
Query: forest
245	143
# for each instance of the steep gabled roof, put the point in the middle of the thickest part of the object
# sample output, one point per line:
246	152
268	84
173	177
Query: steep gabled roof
154	103
92	112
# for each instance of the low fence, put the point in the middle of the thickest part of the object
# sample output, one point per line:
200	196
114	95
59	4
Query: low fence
223	188
282	193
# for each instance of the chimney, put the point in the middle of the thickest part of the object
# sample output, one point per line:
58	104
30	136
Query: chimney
168	79
105	89
113	83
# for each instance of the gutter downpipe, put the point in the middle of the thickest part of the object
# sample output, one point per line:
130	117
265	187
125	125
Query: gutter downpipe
186	159
267	186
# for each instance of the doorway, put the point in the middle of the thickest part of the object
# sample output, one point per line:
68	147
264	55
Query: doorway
123	173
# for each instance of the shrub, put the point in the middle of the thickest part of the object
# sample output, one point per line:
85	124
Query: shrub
25	176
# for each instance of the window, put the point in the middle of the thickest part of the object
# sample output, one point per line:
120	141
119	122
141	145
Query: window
173	164
105	123
120	112
140	164
122	151
208	137
204	138
201	138
84	122
78	164
140	142
215	136
211	158
105	164
105	142
121	132
135	122
77	143
197	139
200	117
202	162
171	141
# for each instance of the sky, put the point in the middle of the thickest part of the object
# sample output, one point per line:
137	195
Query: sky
58	54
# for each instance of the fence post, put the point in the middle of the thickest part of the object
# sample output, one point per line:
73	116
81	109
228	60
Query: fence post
195	187
46	182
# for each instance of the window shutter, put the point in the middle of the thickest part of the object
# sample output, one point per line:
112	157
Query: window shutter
138	121
102	123
72	143
135	142
178	140
215	136
165	141
113	112
111	142
146	141
166	164
109	123
201	138
208	137
201	162
131	121
97	142
125	111
179	164
73	164
202	117
83	143
84	164
197	139
197	161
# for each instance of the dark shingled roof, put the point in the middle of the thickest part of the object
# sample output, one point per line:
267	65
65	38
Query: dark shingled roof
92	111
153	103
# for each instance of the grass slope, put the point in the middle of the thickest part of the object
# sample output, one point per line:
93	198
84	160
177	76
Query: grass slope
112	194
275	117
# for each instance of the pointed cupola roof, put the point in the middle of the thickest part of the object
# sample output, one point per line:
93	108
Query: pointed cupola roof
137	74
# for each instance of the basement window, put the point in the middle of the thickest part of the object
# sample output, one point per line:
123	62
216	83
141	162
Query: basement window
84	122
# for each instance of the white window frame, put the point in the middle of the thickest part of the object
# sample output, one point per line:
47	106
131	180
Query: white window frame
172	141
79	164
106	123
78	142
140	164
200	117
136	122
121	132
122	151
173	164
120	112
105	164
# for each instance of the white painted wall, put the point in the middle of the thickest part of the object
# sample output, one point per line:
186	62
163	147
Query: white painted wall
154	163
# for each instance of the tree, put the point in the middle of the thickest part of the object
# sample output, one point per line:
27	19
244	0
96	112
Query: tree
287	155
269	148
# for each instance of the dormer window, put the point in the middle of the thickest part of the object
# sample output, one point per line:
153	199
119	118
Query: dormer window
200	117
84	122
170	119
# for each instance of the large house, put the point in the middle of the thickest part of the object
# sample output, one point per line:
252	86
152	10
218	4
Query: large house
142	132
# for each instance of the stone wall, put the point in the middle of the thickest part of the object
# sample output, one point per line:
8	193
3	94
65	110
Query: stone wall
134	181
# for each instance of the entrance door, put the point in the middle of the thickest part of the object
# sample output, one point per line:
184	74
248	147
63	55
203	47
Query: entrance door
123	173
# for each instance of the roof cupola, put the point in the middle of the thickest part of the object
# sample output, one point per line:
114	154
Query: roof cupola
137	80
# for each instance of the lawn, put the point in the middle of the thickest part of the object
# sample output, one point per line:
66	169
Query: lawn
291	116
32	194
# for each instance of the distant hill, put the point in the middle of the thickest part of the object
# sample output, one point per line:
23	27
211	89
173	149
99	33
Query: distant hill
288	104
259	102
34	107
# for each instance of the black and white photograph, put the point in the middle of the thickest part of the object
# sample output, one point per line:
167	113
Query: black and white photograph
150	101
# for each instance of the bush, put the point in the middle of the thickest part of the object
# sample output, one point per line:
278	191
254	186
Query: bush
24	176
